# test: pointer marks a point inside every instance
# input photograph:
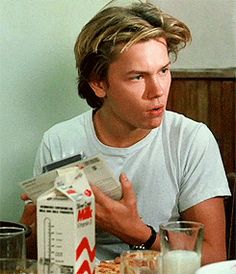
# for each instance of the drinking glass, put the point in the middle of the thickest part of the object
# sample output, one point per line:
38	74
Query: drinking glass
12	242
19	266
181	246
141	262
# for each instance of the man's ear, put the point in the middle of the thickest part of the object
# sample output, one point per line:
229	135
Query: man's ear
99	87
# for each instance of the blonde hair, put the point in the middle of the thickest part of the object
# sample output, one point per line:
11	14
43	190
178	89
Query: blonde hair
115	29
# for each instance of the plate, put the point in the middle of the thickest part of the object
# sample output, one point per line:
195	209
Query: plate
226	267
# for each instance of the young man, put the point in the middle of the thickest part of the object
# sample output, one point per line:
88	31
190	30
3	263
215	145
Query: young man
169	166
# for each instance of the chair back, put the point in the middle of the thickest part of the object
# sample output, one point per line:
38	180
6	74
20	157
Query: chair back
230	212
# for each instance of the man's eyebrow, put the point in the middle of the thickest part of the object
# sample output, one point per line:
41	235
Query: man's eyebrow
137	71
169	63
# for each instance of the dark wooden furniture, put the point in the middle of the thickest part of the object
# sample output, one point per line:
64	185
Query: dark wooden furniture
209	96
230	213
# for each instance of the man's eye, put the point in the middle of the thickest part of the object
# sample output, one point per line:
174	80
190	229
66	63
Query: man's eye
164	70
137	77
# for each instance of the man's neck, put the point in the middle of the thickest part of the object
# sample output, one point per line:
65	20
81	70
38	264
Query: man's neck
112	133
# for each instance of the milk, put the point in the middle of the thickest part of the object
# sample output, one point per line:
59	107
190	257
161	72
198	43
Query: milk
181	262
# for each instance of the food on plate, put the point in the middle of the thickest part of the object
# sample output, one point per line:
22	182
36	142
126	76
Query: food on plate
110	266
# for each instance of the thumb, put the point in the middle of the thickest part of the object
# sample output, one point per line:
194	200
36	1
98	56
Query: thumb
127	188
24	197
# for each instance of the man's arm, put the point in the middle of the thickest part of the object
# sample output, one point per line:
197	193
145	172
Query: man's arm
211	213
131	229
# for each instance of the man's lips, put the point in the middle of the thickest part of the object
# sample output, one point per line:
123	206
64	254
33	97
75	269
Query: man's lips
157	110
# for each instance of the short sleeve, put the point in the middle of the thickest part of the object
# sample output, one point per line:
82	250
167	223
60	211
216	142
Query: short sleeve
203	172
43	156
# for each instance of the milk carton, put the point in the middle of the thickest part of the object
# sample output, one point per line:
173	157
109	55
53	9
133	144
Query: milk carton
66	222
95	168
66	211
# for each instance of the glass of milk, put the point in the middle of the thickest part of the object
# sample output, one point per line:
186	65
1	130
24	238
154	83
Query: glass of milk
181	246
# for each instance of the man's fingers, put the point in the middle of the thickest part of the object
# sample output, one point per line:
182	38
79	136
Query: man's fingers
24	197
100	197
127	189
29	214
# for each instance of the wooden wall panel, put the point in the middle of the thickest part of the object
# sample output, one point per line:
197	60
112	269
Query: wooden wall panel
209	96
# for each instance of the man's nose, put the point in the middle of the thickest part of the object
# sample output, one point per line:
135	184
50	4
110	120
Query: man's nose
155	88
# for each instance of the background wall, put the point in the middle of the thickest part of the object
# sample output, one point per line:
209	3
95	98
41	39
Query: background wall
38	76
212	23
37	84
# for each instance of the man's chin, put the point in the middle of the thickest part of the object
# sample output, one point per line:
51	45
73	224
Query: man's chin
156	123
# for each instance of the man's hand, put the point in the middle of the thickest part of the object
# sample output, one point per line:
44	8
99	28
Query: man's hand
29	218
29	214
121	218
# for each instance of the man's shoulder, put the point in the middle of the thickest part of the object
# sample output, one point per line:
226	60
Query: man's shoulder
179	126
174	118
71	124
182	130
68	129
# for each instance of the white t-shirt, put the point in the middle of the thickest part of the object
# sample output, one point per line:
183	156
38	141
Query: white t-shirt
174	167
